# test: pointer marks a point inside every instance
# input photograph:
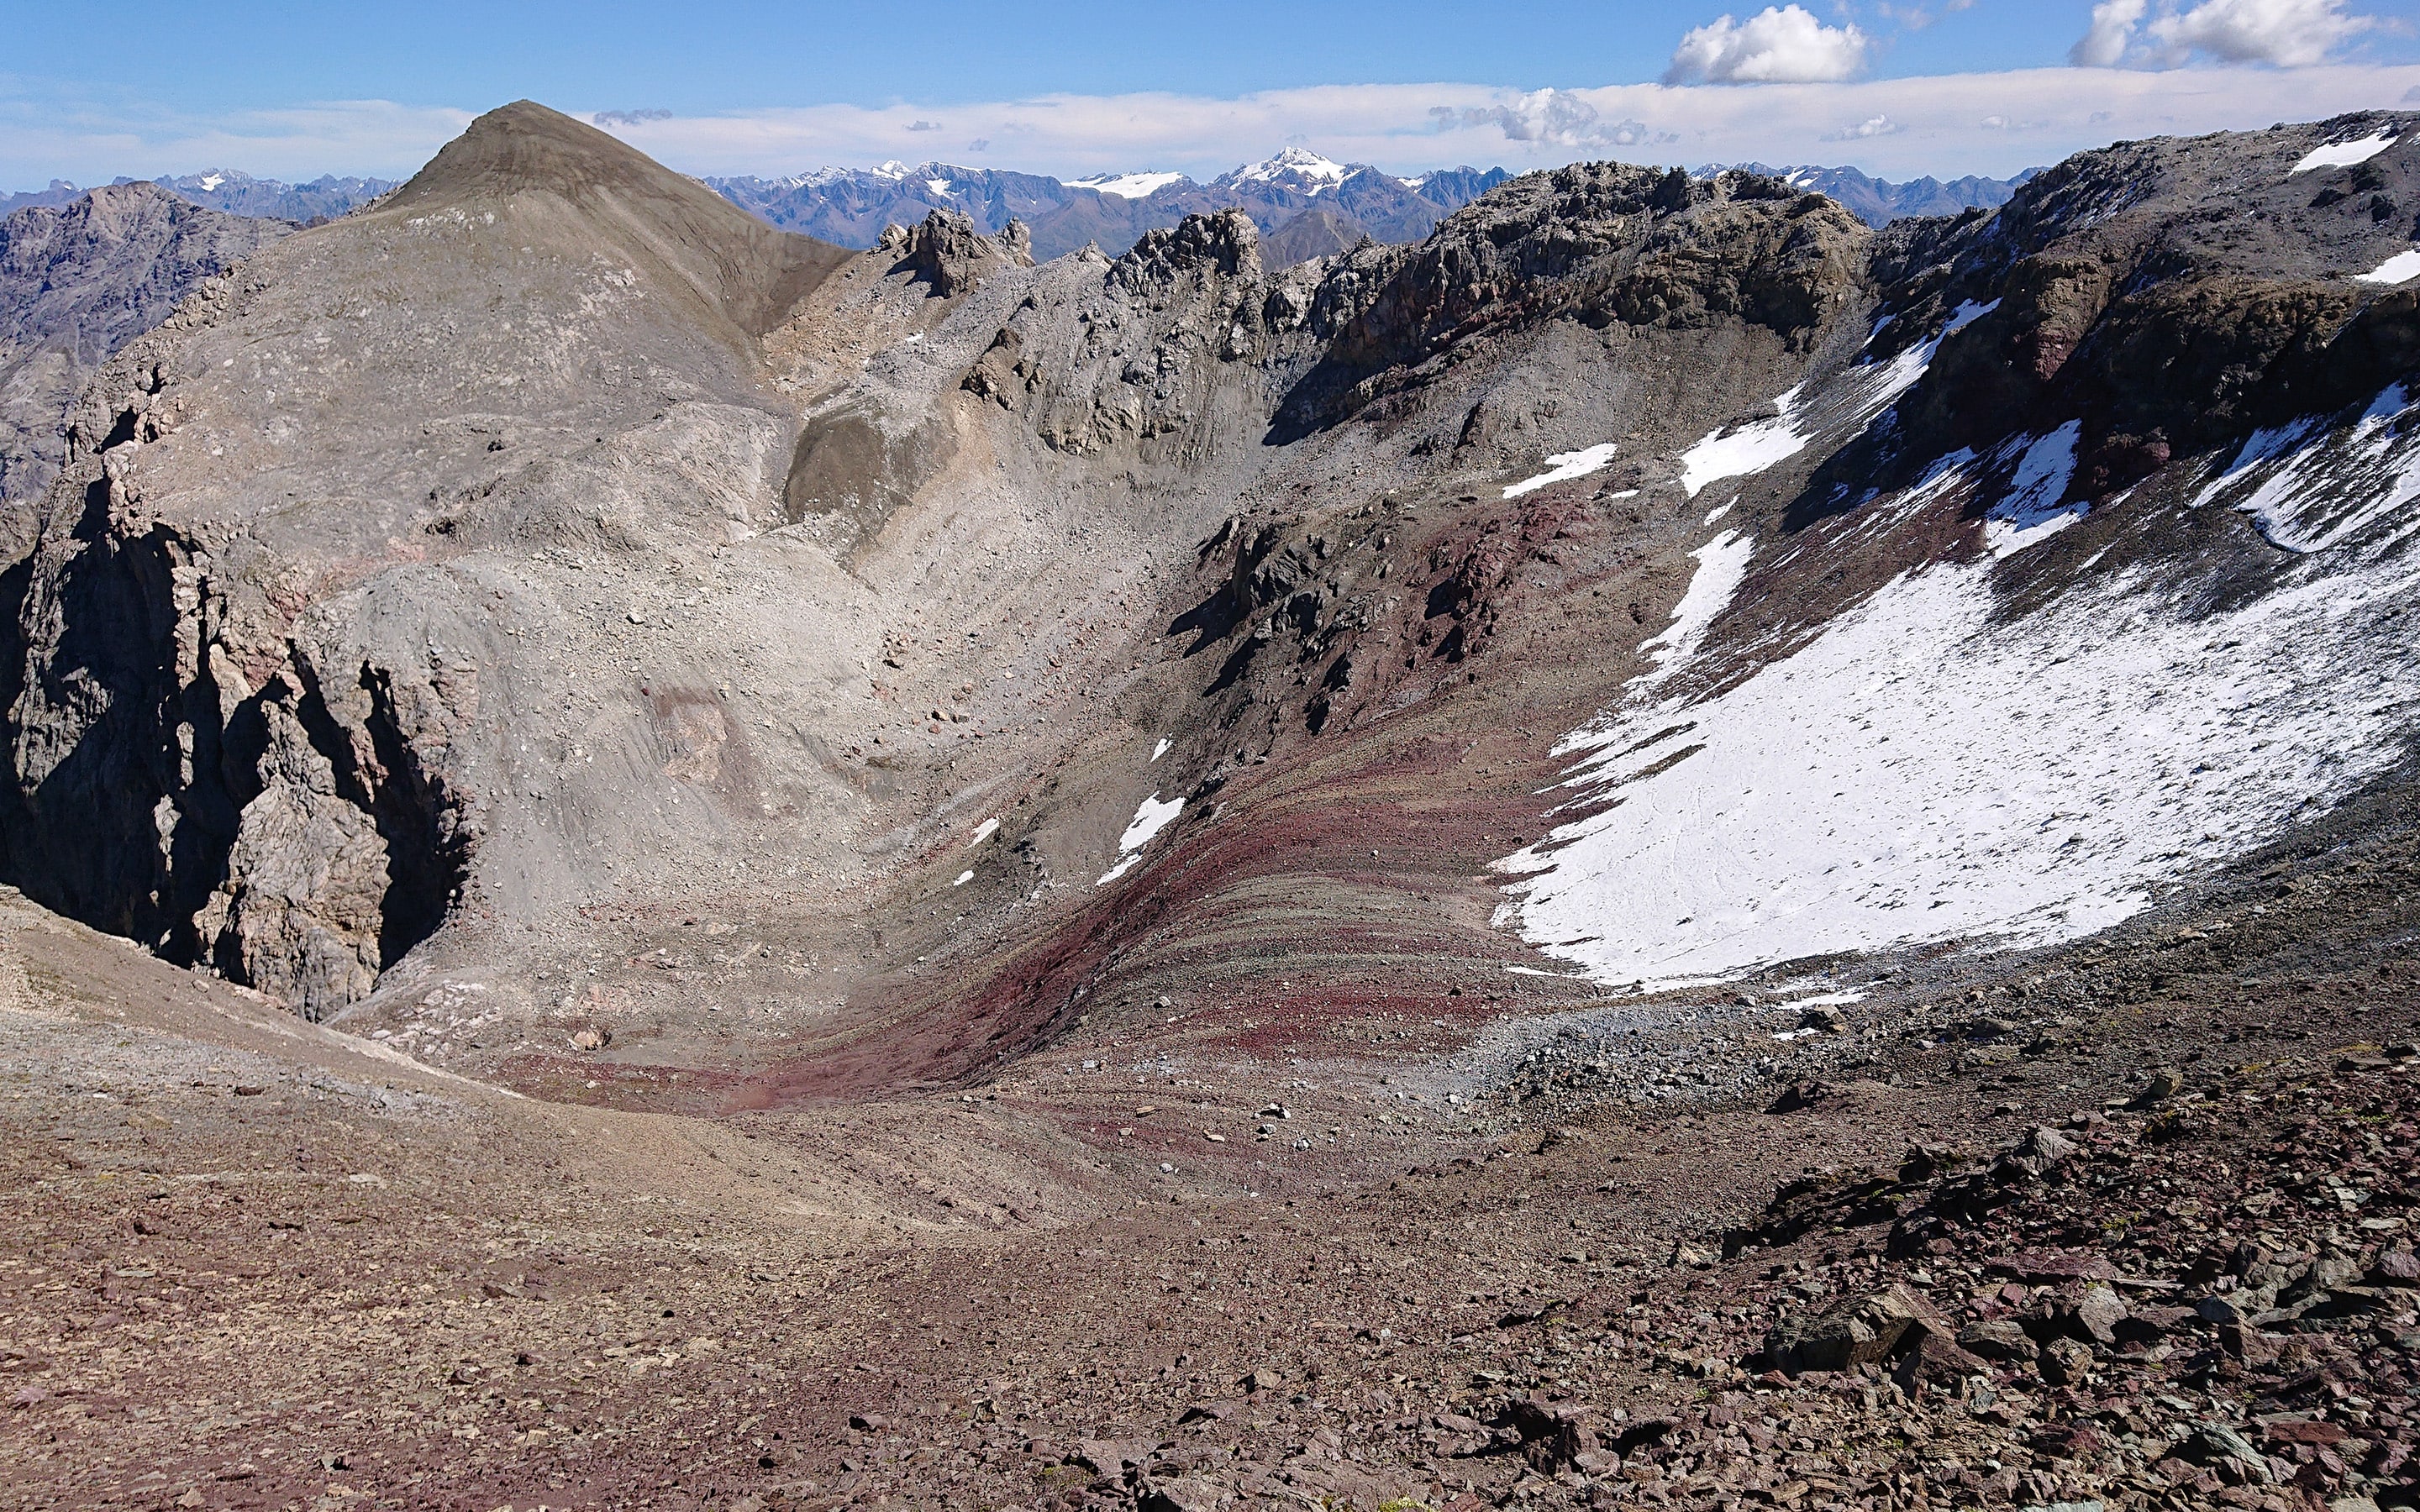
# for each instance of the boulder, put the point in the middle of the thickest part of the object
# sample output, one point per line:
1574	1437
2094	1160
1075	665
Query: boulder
2064	1362
1999	1338
1856	1331
2097	1313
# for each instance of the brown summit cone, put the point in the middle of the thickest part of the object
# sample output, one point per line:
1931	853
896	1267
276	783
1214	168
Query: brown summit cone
541	167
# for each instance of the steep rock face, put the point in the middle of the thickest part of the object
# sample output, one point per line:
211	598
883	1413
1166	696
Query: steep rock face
78	282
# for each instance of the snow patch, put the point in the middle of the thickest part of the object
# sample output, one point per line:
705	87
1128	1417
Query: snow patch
1564	466
1151	818
983	832
1127	185
2032	513
939	186
962	879
2342	154
2400	269
1721	563
1967	314
1751	448
1160	749
2312	488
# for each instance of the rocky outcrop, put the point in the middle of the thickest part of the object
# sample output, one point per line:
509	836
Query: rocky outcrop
950	257
1169	353
1604	243
292	833
2172	296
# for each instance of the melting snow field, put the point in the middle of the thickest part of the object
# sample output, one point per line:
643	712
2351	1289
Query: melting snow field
1921	771
2342	154
2307	498
1149	820
2031	513
1721	563
2400	269
1752	448
1563	466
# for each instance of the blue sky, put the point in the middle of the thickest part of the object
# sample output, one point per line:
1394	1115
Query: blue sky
1940	85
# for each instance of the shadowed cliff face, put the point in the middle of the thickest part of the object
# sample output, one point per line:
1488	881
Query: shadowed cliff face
466	596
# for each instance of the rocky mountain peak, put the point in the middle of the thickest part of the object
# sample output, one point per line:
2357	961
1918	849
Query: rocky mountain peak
562	180
525	146
1294	167
1227	244
946	251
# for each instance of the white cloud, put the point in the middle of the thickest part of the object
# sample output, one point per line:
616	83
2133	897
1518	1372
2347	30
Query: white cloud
41	137
1872	125
2290	34
1558	116
2105	43
1783	44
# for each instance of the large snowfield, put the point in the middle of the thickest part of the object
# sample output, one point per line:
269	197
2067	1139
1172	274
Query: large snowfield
1925	770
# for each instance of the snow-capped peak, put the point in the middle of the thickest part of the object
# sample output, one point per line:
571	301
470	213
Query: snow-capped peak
1303	168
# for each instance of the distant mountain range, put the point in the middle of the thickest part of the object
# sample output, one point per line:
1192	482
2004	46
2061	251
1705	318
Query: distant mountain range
1878	201
1305	205
234	194
851	206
